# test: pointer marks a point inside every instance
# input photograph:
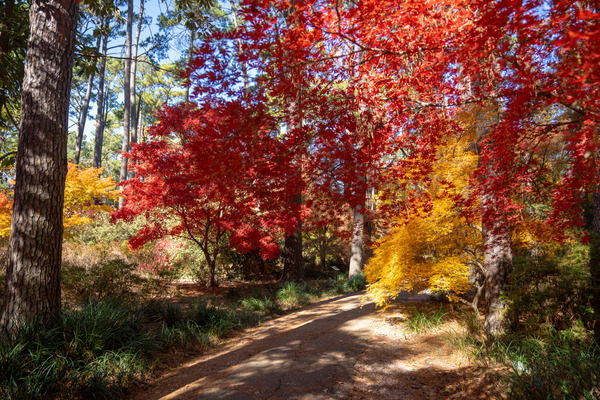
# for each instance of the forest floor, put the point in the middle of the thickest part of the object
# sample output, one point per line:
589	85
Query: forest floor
339	348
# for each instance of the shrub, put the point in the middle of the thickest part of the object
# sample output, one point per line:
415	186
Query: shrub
550	289
211	319
559	368
337	285
356	283
159	310
291	295
108	278
94	352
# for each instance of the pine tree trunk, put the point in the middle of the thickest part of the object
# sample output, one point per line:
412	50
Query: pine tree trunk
32	289
84	112
100	118
126	97
240	48
134	115
190	55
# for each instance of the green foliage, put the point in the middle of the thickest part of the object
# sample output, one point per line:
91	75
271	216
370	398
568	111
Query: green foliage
421	322
549	365
558	368
93	353
217	321
160	310
356	283
265	305
101	230
98	350
550	289
291	295
337	285
111	278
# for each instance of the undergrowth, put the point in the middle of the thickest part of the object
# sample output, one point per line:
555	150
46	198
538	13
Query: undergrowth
99	349
548	365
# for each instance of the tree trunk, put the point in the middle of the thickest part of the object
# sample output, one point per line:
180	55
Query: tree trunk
293	265
32	289
134	115
595	263
190	55
126	97
293	262
212	281
358	228
84	112
240	48
100	119
497	259
497	247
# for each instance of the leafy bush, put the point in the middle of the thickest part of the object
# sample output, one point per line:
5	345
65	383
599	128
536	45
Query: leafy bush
356	283
216	321
560	367
159	310
337	285
109	278
550	289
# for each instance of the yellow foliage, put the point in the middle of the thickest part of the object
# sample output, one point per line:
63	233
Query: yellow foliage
85	194
5	214
434	250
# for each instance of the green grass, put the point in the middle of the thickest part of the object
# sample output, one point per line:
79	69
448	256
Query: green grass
264	305
291	295
421	322
101	348
550	366
93	353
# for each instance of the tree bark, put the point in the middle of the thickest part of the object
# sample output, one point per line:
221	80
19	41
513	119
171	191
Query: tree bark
32	289
126	97
293	261
134	114
497	260
293	265
100	116
595	262
84	112
240	48
358	228
190	55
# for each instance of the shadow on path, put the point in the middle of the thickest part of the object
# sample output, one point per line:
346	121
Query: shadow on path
308	354
328	351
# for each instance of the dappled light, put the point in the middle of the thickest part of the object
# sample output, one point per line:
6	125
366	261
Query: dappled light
305	199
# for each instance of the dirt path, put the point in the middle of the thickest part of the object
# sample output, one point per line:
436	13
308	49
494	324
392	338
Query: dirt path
340	348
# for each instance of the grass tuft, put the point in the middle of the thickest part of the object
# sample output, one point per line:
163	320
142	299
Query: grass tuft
420	322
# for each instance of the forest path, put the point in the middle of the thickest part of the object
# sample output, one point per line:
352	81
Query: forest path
340	348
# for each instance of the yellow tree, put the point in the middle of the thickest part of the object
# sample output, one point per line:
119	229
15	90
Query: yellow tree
436	249
85	195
